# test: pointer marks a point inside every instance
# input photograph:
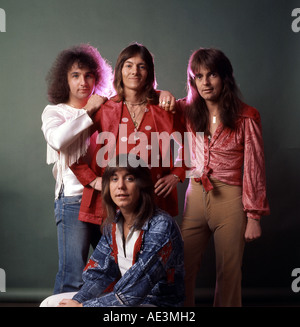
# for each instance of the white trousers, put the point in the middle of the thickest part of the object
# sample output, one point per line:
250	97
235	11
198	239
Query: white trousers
53	300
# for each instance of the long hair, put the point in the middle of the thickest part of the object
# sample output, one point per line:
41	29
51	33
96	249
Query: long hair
133	165
230	104
86	56
133	50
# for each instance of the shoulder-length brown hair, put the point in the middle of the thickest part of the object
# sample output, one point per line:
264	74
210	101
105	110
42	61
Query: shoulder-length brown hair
133	50
230	104
133	165
86	56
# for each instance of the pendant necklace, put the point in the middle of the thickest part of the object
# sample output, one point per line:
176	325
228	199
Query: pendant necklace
133	114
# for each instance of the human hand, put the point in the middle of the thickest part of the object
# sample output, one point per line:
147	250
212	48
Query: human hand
97	183
94	103
164	186
253	230
69	303
167	101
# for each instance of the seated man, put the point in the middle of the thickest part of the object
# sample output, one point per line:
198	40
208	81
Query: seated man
139	259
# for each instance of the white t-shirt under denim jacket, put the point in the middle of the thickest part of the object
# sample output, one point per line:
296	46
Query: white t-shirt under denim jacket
153	275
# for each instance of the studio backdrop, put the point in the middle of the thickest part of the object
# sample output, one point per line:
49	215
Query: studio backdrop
262	40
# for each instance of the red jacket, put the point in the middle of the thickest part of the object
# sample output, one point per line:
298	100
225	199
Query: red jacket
108	119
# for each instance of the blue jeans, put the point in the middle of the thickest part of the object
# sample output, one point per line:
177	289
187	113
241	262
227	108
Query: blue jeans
74	240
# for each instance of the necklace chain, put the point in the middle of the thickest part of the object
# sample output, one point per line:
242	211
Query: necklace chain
133	113
135	104
129	225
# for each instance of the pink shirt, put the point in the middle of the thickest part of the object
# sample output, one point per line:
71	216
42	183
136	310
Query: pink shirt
234	157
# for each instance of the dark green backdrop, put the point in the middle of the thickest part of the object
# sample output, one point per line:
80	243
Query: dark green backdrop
256	35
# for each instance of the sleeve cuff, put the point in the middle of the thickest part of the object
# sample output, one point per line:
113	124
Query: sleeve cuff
179	172
253	216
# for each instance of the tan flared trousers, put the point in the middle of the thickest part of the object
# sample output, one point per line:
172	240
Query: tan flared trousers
219	213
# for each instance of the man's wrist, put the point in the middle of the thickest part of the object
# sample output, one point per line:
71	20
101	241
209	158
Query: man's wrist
178	179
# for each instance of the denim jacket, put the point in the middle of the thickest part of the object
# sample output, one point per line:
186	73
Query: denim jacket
156	277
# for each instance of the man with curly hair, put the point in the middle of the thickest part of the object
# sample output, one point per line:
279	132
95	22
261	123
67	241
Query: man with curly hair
78	84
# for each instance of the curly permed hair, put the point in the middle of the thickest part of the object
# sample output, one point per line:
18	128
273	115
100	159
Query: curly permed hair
86	56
